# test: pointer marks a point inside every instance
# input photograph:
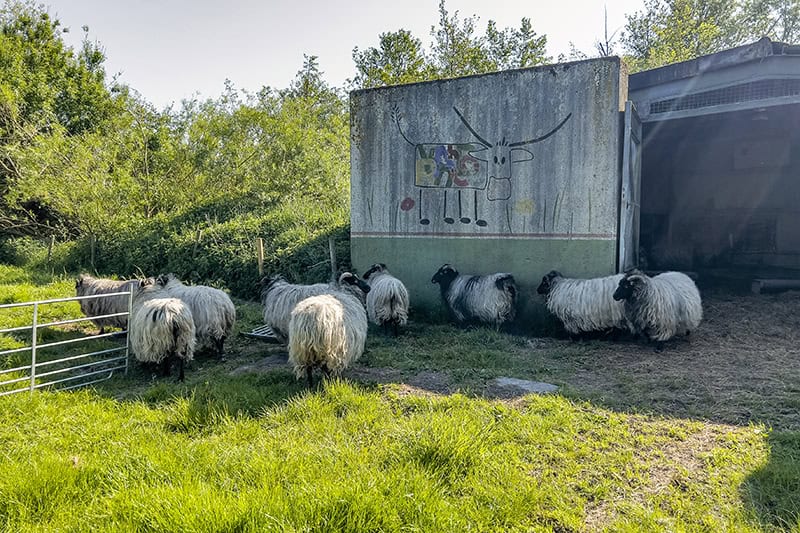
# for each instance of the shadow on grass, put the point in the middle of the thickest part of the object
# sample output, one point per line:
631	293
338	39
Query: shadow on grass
773	491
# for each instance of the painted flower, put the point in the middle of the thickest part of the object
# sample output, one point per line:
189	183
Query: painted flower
407	204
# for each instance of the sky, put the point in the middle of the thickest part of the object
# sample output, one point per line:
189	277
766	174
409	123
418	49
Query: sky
174	49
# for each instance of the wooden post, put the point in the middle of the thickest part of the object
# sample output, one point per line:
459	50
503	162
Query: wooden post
332	249
92	246
260	254
197	238
50	247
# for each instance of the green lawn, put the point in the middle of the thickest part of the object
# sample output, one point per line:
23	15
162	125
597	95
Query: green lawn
415	439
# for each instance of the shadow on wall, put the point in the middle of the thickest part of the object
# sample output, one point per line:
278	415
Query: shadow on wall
773	491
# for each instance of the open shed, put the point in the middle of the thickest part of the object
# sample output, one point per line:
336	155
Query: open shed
721	163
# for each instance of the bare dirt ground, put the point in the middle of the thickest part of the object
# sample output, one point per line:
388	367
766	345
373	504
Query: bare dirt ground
741	366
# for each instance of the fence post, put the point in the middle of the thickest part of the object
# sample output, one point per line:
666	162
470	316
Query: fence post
260	254
332	250
33	345
50	248
128	330
92	246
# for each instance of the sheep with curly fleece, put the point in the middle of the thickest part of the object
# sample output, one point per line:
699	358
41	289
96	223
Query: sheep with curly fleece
326	331
584	305
490	298
660	307
387	300
87	285
279	297
213	311
161	328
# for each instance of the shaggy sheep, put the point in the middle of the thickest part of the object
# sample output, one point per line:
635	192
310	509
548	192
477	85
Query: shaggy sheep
279	297
213	311
327	331
491	298
387	300
583	305
86	285
162	328
662	306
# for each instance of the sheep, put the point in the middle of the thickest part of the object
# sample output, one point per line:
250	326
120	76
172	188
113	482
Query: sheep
491	298
86	285
213	311
387	300
162	328
584	305
279	297
327	331
660	307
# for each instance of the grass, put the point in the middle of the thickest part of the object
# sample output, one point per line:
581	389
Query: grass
421	441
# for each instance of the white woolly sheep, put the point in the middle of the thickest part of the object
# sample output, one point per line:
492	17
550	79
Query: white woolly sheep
660	307
326	331
387	300
213	311
162	328
279	297
490	298
86	285
584	305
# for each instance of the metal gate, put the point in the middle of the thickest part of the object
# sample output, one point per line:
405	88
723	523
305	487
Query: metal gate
64	373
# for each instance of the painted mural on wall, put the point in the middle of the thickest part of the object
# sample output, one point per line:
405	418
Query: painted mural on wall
474	176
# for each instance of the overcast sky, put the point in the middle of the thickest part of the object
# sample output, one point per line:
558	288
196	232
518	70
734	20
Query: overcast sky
174	49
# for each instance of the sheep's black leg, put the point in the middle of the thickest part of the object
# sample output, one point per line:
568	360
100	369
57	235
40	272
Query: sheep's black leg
220	345
310	377
447	219
479	221
659	346
395	328
102	330
422	220
165	367
180	370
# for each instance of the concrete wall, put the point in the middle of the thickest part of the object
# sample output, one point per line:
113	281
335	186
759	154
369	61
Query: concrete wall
446	171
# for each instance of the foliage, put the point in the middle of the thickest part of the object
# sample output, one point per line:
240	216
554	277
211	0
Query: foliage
456	50
669	31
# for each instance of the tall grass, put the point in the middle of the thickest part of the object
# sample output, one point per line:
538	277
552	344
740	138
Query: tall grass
352	459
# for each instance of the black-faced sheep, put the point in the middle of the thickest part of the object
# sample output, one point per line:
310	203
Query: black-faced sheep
660	307
86	285
584	305
213	311
279	297
490	298
327	331
387	300
161	328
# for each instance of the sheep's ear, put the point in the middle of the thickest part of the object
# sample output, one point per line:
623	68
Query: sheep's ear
518	155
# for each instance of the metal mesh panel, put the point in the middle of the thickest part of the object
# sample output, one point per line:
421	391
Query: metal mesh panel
744	92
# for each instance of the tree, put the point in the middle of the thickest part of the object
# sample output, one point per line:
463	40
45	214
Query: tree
398	59
776	19
457	50
668	31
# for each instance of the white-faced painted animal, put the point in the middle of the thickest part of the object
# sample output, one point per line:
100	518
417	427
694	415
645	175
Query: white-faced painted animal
584	305
660	307
213	311
490	298
279	297
87	285
327	331
161	328
387	300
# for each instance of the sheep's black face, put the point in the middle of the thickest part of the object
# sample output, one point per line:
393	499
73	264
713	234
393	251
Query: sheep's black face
377	267
352	279
163	279
625	289
445	275
547	282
